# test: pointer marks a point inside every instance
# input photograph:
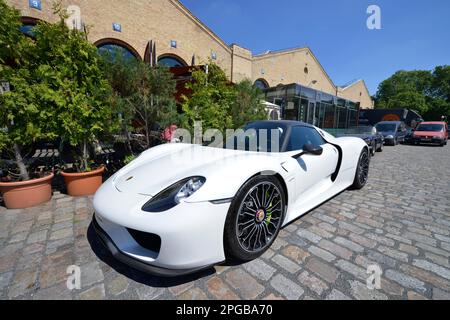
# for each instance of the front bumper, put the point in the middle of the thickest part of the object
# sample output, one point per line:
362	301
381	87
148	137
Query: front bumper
135	263
428	140
191	234
389	140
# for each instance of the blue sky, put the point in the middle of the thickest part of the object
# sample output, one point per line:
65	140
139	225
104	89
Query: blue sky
414	34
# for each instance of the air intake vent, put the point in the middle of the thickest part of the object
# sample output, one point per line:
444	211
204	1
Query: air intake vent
149	241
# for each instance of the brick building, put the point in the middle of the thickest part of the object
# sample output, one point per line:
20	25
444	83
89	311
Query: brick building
178	38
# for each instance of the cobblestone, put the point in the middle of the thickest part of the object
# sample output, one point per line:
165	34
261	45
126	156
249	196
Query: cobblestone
323	255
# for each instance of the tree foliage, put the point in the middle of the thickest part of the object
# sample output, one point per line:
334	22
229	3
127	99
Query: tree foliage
218	103
428	92
25	117
144	96
210	100
58	88
247	105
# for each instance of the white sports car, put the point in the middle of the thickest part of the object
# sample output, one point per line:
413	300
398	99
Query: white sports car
179	208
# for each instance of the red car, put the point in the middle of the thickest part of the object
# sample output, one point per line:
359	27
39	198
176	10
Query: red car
431	132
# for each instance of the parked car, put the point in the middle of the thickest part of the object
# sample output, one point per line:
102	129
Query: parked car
369	134
431	132
409	136
393	132
212	204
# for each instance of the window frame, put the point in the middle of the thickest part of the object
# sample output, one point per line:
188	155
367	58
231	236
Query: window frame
288	142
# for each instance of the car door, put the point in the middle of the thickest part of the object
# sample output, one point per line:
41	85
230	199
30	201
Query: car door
314	171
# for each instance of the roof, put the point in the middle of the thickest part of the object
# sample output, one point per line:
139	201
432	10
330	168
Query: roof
267	54
285	123
189	14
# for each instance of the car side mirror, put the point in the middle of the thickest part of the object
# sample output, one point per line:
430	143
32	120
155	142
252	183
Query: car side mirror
310	149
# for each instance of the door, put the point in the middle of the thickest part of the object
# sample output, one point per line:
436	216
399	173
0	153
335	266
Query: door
314	172
311	113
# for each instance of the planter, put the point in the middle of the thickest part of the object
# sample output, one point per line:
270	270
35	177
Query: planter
25	194
83	183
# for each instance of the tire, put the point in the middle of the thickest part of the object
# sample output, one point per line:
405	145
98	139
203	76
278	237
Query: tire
395	142
362	170
253	224
380	148
373	149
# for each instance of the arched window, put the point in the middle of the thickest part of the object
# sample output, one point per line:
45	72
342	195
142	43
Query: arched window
171	61
261	83
112	47
28	24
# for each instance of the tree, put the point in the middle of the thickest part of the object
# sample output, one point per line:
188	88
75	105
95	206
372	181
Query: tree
120	72
210	100
25	115
247	104
73	87
428	92
153	99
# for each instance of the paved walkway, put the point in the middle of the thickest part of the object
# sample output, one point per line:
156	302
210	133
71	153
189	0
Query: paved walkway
400	222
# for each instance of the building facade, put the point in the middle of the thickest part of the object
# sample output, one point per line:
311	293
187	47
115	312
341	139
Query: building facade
178	38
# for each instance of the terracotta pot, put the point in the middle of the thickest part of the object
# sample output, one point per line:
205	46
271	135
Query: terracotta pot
25	194
83	183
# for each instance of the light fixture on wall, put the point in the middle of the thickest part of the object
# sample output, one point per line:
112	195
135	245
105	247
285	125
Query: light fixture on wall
213	55
117	27
173	44
35	4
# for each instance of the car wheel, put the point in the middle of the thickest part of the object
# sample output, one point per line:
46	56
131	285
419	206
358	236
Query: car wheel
362	170
373	148
380	148
254	218
395	142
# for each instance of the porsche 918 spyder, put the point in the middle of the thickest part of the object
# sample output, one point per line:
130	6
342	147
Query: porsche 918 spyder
179	207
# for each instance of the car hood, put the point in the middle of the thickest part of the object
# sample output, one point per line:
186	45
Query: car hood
387	133
162	166
428	134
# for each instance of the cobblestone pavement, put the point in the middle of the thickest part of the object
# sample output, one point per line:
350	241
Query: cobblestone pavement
399	221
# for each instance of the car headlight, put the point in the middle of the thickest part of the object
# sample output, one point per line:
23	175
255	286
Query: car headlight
390	137
173	195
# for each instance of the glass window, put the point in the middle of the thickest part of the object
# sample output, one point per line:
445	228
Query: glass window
341	102
352	118
261	84
111	50
170	62
308	93
342	118
430	127
329	121
27	29
301	135
386	127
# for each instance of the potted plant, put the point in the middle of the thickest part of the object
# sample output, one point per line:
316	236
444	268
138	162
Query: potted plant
80	97
23	120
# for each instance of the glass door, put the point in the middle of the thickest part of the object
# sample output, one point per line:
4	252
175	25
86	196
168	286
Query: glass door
303	111
311	113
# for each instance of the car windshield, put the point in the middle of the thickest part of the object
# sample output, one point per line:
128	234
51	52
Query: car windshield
258	136
360	130
385	127
430	127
